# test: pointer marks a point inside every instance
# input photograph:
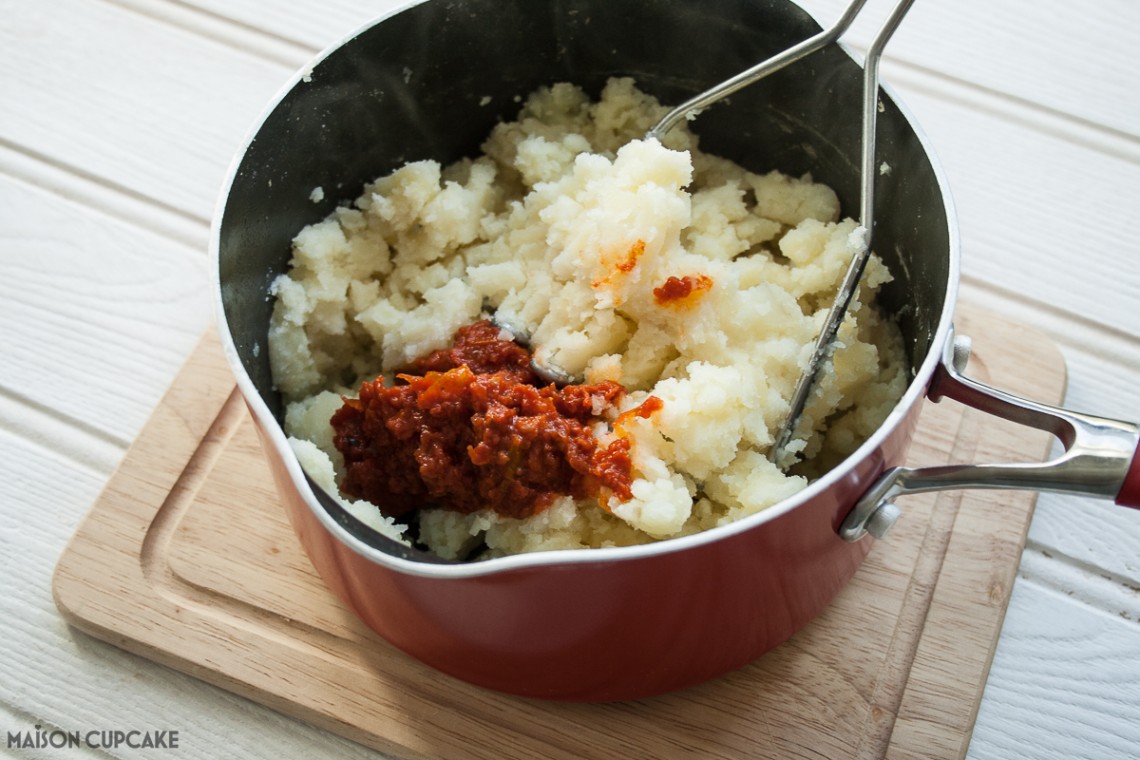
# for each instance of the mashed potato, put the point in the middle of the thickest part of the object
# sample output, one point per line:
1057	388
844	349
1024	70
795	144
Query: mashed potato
671	271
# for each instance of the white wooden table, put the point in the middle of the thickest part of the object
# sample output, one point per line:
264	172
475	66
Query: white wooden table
118	119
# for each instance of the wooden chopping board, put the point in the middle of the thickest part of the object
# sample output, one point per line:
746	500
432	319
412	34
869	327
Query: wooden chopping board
187	559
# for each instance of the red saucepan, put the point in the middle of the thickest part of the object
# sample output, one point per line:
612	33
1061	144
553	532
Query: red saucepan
430	82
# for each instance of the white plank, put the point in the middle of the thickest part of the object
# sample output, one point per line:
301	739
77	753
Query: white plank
97	315
1090	532
1039	212
21	723
87	190
1073	58
248	37
1081	582
1063	684
313	25
88	449
64	679
150	108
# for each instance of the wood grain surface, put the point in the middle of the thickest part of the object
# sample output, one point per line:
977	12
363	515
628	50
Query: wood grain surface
188	560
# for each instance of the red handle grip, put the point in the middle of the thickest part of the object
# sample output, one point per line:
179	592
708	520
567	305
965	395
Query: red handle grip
1129	495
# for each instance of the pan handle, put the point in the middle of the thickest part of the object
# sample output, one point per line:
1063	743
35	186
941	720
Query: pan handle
1101	456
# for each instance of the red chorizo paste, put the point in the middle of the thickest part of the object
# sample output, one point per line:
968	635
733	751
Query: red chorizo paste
677	291
645	410
470	427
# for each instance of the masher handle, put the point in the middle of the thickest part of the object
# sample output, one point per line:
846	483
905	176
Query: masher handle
701	101
825	343
821	354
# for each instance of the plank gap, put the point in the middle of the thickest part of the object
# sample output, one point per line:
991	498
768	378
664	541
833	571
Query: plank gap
1015	109
224	30
1067	328
75	185
1081	581
85	445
